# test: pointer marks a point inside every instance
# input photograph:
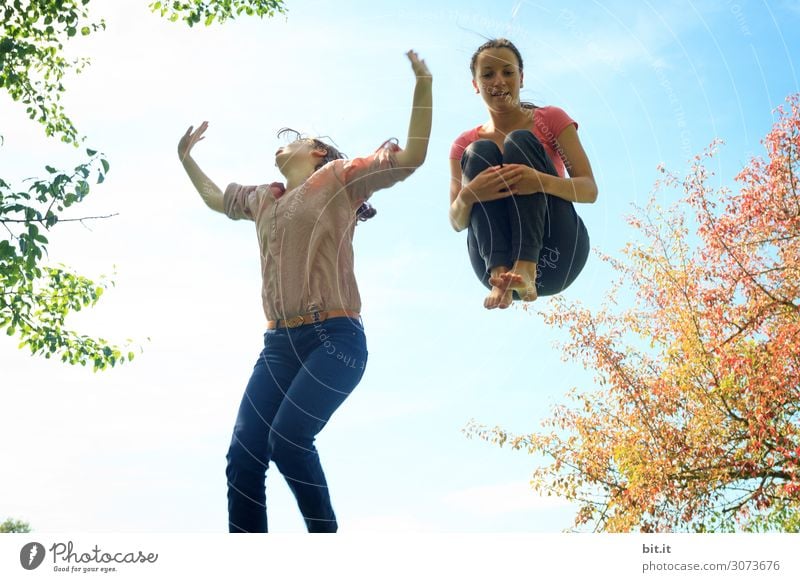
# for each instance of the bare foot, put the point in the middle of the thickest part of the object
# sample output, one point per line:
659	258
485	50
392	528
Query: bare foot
509	279
522	280
498	297
528	294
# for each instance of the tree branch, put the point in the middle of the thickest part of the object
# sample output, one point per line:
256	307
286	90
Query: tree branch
42	221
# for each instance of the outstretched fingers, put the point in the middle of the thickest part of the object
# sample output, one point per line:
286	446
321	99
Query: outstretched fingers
418	65
198	134
191	137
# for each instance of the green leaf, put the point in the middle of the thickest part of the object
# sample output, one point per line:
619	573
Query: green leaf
90	152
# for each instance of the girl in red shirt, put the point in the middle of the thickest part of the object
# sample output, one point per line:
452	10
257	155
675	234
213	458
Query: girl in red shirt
509	186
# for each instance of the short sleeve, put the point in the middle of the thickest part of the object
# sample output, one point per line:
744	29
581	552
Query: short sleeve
459	145
240	202
363	176
558	120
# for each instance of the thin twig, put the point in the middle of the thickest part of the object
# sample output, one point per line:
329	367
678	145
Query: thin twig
42	220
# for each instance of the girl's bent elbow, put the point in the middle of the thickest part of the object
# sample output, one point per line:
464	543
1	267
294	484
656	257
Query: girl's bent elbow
456	226
413	161
590	195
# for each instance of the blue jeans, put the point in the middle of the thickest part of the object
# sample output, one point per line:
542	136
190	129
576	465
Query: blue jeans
300	379
539	227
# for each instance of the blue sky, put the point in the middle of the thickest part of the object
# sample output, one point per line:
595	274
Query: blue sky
142	448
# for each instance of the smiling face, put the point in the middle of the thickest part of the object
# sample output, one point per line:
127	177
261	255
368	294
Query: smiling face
498	78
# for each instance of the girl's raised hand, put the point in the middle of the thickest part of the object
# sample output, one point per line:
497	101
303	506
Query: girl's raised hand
418	65
190	138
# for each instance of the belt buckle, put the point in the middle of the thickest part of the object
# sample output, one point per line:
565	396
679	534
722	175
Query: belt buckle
296	321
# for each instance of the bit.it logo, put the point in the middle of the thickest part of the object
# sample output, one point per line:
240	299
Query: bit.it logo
32	555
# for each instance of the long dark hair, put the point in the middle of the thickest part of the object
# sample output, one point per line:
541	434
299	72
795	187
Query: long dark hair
365	211
496	43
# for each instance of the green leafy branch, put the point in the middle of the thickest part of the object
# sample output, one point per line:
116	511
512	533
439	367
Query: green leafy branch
32	65
207	11
35	300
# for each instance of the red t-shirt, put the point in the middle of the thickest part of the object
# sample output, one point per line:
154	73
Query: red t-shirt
548	123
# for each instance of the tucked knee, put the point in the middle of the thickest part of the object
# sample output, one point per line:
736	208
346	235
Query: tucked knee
483	149
522	138
522	147
518	134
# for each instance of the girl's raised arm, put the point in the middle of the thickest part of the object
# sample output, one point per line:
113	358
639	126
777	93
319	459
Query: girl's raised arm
419	128
208	190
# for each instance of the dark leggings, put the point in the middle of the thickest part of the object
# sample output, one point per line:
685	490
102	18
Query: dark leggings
539	227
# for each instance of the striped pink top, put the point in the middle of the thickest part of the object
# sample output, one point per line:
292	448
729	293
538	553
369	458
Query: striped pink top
305	235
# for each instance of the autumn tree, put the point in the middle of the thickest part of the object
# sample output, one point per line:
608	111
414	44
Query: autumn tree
36	298
694	424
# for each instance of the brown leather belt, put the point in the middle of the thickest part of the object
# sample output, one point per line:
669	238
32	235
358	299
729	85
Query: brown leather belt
315	317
